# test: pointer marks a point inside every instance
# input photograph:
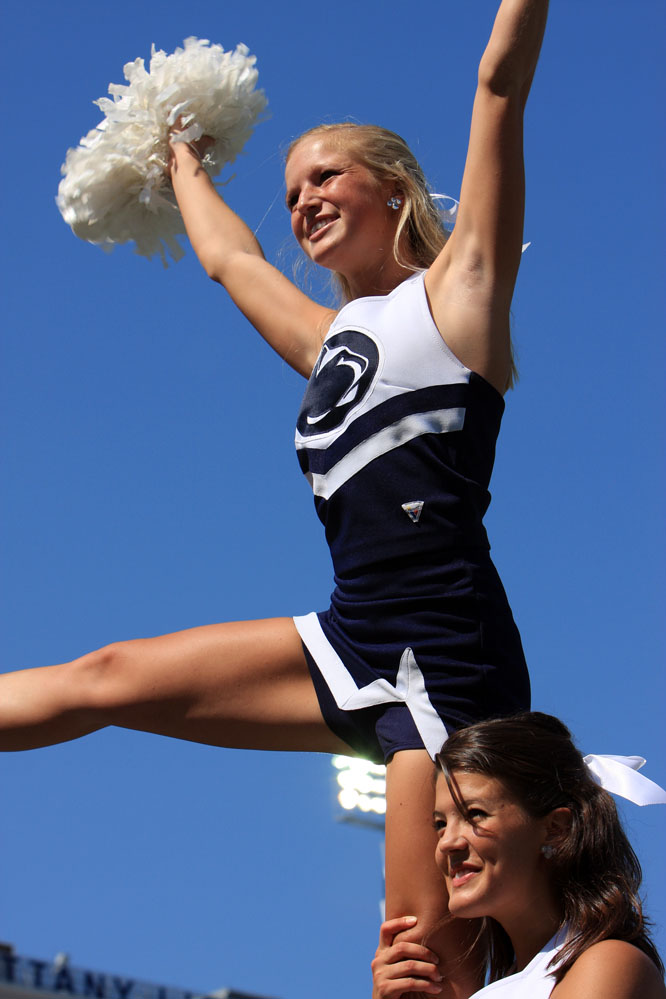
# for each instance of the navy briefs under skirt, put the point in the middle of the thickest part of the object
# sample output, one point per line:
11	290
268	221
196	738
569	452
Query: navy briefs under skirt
406	654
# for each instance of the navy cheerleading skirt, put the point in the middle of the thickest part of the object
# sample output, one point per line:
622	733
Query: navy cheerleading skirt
407	653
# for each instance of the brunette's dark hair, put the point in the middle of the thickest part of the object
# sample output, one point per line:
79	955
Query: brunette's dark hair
596	872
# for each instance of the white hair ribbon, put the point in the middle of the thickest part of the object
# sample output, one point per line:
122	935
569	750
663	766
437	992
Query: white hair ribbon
448	215
619	774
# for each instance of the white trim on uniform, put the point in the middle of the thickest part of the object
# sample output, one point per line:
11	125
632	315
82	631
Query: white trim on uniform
409	689
437	421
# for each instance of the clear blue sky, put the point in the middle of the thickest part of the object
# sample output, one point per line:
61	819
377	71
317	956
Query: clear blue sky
149	480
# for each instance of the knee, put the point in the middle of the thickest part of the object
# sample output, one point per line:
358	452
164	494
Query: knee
103	677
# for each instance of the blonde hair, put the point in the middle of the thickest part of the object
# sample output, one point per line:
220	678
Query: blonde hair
419	235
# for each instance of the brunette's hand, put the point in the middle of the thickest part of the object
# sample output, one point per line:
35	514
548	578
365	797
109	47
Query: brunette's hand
402	967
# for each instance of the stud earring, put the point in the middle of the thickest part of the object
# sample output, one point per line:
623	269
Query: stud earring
548	851
394	202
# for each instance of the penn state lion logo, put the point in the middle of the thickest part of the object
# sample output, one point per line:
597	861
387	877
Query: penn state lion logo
340	380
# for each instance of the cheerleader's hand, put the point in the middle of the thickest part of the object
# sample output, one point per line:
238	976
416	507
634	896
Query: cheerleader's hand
402	967
198	147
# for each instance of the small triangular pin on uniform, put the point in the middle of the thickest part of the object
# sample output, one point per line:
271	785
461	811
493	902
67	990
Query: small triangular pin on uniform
413	510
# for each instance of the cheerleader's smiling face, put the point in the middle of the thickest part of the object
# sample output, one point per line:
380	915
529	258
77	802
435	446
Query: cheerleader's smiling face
490	852
339	213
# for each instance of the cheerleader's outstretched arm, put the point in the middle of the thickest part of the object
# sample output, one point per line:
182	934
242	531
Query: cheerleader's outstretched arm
293	324
472	281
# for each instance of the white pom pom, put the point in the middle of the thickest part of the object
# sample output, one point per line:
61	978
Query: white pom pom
114	187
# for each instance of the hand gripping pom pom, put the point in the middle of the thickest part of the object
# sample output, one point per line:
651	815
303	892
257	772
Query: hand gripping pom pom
114	187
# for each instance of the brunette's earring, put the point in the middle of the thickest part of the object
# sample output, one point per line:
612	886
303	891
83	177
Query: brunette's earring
394	202
548	851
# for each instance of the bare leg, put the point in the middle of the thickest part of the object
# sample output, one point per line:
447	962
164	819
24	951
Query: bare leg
243	684
414	885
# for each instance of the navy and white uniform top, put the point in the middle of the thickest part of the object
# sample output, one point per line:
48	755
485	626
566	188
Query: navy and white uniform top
394	430
397	438
534	982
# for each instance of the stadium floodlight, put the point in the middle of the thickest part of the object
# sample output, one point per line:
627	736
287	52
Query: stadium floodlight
360	791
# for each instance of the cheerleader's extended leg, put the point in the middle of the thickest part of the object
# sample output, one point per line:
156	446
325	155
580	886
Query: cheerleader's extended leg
414	885
242	684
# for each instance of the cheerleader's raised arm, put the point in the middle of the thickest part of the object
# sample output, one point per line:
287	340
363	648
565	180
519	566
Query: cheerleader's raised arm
292	323
471	284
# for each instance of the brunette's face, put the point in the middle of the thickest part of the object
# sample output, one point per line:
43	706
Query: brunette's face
491	859
338	208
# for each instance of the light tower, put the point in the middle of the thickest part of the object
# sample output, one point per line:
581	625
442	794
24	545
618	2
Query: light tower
360	792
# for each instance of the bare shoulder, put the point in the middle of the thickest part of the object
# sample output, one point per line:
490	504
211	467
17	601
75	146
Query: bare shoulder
472	314
611	969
